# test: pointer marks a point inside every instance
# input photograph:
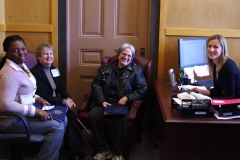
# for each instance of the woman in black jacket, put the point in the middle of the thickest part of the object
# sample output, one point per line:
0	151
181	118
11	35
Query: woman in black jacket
120	82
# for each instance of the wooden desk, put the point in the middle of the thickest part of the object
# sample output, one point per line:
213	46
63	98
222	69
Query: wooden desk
192	138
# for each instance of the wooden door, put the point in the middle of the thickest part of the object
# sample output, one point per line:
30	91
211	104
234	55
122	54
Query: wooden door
97	28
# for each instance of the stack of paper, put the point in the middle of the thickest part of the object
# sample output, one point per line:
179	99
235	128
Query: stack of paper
190	87
189	72
201	71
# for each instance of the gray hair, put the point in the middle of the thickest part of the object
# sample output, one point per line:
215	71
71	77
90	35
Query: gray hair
125	46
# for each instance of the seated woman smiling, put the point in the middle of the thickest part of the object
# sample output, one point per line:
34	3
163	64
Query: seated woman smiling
18	86
226	74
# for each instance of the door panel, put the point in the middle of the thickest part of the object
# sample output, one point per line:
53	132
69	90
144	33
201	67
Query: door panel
97	28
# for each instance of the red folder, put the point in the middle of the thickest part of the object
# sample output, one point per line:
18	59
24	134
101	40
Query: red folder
225	102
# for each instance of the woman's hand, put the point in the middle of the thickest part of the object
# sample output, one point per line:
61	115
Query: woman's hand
105	104
202	91
43	114
123	101
70	104
42	101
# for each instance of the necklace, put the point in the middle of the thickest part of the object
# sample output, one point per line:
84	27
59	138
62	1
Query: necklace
26	71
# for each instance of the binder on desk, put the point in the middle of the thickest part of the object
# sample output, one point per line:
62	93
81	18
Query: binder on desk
58	112
224	113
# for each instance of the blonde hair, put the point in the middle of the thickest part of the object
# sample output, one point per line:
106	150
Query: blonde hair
224	55
41	47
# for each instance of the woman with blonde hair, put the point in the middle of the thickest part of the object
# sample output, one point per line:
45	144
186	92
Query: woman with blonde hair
226	75
51	88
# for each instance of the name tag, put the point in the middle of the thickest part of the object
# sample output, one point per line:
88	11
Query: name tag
55	72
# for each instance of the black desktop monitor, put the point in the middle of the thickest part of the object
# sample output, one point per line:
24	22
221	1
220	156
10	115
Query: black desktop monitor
192	52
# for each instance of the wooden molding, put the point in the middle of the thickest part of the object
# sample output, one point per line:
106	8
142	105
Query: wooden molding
161	38
29	27
2	27
201	32
54	21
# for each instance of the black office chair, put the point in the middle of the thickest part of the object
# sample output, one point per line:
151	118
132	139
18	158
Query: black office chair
19	138
16	139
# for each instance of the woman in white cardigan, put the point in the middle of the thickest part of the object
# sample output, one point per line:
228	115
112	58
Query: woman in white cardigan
18	87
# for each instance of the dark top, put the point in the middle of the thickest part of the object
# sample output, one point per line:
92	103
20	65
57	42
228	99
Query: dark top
44	88
116	73
131	83
228	82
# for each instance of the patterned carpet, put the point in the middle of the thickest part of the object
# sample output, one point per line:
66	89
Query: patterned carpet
139	151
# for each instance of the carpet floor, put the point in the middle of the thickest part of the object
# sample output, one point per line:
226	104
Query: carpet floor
139	151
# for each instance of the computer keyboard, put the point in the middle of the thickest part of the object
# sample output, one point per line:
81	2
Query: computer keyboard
208	83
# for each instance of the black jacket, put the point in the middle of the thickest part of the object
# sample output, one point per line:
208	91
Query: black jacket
44	88
131	84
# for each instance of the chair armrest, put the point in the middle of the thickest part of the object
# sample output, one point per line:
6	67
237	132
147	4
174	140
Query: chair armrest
136	105
85	103
16	137
135	113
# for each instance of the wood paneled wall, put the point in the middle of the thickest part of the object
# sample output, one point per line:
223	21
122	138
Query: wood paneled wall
2	25
196	18
34	20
